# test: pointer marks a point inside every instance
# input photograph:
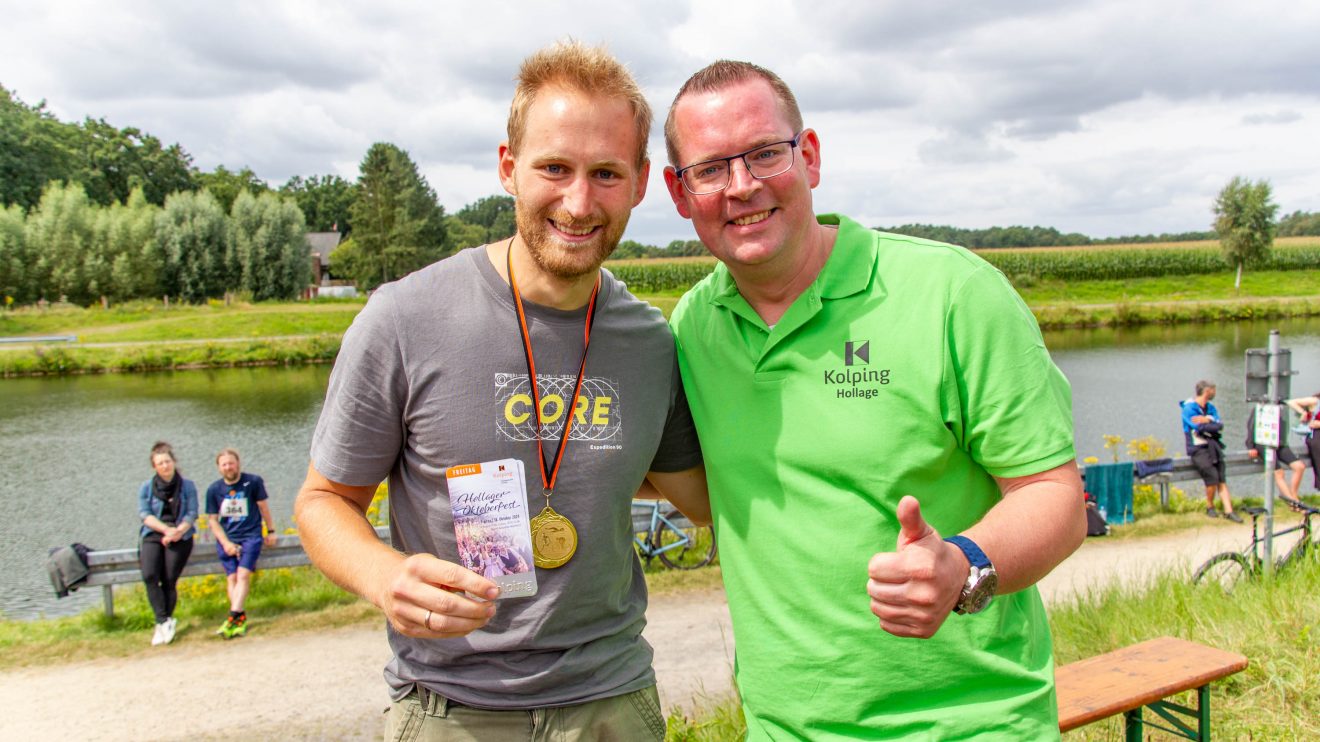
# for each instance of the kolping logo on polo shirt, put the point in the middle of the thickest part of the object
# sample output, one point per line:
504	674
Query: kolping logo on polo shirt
851	381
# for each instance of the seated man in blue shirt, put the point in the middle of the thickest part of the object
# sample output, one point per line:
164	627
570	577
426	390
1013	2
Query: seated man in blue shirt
236	506
1201	429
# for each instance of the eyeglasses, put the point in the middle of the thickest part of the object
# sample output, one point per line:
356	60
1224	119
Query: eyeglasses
766	161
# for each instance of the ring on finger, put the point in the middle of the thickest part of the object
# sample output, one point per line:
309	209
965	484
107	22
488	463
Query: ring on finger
427	622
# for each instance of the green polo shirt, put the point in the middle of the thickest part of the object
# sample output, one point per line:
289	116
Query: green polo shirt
908	367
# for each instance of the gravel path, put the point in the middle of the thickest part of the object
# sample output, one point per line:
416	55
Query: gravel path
328	685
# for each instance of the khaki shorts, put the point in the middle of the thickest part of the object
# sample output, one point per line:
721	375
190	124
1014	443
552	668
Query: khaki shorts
426	717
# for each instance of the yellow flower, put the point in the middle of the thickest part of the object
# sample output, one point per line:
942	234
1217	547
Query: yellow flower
1090	460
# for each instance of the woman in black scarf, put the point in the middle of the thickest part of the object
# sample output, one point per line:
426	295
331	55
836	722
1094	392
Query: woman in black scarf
167	504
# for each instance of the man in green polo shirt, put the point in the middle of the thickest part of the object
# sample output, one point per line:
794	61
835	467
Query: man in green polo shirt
859	396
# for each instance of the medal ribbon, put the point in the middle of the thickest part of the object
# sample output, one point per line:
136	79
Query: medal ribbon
550	473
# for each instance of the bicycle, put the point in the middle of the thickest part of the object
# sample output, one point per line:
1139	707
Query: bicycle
669	535
1225	569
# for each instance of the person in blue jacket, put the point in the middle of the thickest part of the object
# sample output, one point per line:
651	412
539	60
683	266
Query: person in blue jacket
1202	430
167	505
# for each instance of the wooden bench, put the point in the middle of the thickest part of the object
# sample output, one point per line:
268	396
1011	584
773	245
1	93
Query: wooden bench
1143	675
1236	464
109	567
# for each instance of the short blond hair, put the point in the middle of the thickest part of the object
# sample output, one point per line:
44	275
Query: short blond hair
726	73
227	452
589	69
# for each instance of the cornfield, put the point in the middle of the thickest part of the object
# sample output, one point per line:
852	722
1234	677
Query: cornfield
657	276
1025	266
1116	263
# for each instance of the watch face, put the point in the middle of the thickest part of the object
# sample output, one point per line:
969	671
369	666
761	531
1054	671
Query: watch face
980	592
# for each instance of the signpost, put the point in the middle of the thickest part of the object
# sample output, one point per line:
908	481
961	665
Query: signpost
1269	382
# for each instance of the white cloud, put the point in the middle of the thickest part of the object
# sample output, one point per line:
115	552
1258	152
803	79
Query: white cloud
1107	117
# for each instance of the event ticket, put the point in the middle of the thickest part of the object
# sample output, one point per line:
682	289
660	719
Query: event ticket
489	501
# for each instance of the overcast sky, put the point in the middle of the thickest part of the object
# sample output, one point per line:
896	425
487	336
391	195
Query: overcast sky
1105	117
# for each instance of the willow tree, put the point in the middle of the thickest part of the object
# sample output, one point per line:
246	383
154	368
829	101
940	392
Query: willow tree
1244	221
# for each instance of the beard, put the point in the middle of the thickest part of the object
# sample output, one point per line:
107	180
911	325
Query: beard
558	258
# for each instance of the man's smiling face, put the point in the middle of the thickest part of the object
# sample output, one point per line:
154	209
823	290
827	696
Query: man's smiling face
575	179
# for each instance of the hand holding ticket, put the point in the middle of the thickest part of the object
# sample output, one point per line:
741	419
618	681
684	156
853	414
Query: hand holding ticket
489	502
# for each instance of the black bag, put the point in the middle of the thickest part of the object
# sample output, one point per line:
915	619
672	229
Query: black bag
1095	525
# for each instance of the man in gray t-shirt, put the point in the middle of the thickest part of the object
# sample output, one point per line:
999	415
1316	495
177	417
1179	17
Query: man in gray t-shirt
445	367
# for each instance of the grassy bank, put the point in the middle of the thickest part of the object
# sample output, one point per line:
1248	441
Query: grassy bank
146	336
1274	625
282	601
58	359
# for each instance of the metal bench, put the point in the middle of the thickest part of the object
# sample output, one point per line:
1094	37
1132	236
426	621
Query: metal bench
1144	675
1236	464
111	567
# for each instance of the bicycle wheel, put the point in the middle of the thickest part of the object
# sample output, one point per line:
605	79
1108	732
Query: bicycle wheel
1222	569
698	551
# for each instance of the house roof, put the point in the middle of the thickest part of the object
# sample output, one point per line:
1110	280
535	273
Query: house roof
321	243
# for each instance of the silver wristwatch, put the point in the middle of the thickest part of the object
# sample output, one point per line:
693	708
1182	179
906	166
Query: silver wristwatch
982	580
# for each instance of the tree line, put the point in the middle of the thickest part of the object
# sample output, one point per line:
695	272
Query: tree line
90	210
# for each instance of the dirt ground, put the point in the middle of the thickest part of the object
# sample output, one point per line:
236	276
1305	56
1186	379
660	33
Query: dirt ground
328	685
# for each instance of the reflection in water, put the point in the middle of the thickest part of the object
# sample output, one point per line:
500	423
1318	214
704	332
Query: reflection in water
74	450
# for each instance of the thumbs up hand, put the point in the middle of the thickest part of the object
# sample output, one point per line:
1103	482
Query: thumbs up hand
915	587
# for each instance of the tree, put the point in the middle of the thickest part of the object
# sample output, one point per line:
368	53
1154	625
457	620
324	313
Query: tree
225	185
35	148
192	238
1244	221
398	226
460	235
1299	224
115	161
494	214
59	238
127	264
269	238
14	259
325	201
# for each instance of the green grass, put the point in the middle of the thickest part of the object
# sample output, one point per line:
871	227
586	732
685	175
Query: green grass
1211	287
1275	624
282	601
147	321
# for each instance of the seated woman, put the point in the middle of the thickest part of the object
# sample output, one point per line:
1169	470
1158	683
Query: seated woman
167	505
1309	410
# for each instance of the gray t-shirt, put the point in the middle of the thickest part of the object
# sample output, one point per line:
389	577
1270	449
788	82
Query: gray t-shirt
432	374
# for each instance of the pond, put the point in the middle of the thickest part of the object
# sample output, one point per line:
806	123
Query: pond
76	449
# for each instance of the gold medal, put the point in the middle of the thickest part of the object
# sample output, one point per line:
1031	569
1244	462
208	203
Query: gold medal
554	539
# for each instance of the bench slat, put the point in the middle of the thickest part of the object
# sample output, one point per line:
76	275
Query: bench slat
1098	687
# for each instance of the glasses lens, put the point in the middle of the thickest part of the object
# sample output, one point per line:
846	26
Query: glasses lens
770	160
707	177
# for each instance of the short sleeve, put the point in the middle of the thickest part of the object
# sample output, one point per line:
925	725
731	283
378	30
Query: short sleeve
679	449
1006	401
260	488
360	432
212	500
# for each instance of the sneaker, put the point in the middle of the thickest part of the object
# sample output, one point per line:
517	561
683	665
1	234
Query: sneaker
1212	513
167	630
1233	517
158	637
238	628
225	628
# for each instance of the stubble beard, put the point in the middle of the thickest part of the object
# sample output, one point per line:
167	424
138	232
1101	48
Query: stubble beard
559	259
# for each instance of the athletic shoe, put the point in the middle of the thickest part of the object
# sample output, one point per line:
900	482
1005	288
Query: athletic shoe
239	627
1211	513
167	633
158	637
225	627
1233	517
